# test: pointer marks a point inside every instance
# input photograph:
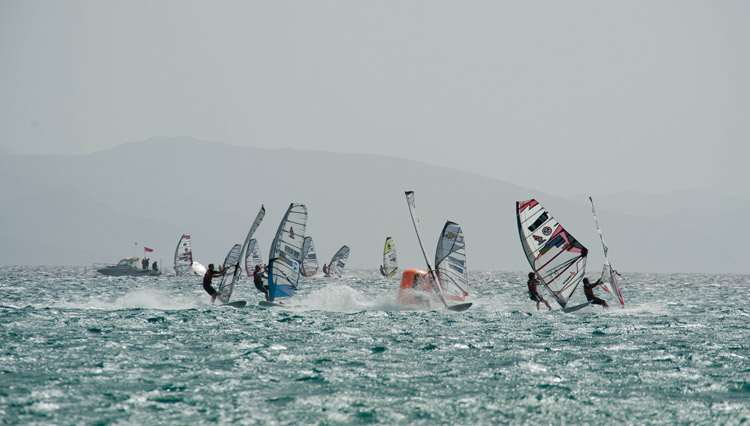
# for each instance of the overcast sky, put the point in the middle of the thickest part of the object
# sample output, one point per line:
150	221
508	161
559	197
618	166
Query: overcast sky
574	97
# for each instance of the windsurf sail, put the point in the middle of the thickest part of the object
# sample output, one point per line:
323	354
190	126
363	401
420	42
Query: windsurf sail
390	265
438	288
309	258
558	259
227	284
253	257
450	262
233	256
338	262
609	275
285	257
183	256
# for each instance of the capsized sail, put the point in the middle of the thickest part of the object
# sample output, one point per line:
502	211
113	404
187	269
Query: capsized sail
558	259
430	269
227	285
338	262
609	275
285	257
390	265
450	262
253	257
183	255
309	258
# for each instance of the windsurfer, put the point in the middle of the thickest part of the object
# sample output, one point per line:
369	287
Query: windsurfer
258	281
210	274
588	290
533	293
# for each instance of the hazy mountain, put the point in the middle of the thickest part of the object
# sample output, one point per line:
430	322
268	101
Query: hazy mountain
93	208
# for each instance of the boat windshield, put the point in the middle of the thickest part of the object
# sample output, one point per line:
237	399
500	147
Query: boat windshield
128	263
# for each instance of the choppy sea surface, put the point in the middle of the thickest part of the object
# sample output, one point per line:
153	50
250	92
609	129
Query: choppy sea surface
80	348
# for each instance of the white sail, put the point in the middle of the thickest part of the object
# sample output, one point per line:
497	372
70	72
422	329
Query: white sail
227	285
558	259
338	263
183	255
609	275
450	262
285	257
309	258
253	257
415	222
390	265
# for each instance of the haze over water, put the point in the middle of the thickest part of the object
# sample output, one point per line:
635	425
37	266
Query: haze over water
80	348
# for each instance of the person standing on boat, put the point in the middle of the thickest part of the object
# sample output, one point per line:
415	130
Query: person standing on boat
588	290
533	293
210	274
258	281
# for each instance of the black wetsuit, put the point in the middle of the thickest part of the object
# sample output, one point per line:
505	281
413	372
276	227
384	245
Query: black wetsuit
258	281
207	282
588	290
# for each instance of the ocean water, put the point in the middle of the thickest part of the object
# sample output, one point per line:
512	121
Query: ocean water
80	348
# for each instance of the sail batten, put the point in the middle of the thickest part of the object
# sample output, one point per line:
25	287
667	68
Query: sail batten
338	262
557	258
450	262
183	255
253	257
309	258
390	264
227	284
285	256
609	275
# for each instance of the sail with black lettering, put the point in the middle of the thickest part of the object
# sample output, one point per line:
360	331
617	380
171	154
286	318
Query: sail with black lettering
338	263
558	259
253	257
285	257
390	265
609	275
309	258
450	262
234	270
183	256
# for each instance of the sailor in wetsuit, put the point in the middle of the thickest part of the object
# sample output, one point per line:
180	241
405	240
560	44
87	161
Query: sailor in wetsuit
210	274
258	281
533	293
588	290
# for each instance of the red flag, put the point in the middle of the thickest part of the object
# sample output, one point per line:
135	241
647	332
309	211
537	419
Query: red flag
148	250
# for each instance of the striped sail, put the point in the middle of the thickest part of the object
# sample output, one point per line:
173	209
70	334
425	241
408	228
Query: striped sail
225	291
285	257
609	275
390	265
310	258
558	259
338	262
450	262
253	257
225	285
183	256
